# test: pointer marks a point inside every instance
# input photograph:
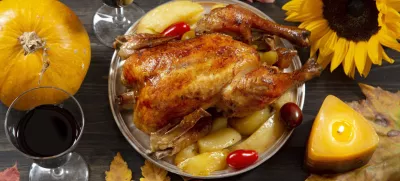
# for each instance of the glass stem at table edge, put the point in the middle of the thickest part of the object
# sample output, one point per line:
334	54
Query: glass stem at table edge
57	172
120	18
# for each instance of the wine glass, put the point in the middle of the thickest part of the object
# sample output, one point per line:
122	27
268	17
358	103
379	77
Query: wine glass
53	159
114	18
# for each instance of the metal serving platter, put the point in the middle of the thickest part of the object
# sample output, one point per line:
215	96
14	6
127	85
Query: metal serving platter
140	141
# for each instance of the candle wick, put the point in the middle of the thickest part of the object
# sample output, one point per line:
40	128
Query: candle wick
341	129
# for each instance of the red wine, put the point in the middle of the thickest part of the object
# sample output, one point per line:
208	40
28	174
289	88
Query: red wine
117	3
46	130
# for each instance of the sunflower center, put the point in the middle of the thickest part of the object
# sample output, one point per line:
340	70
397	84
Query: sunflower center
355	20
355	8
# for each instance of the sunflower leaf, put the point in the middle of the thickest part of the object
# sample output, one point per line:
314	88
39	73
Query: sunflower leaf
152	172
382	108
119	170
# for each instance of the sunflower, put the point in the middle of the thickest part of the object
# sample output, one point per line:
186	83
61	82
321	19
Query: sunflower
349	32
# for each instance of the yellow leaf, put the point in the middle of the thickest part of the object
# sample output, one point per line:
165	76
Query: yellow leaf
151	172
119	170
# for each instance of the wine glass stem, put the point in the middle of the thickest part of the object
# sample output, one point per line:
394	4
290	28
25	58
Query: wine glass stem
120	18
57	172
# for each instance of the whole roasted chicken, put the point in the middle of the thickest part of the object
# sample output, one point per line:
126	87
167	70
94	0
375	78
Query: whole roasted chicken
175	82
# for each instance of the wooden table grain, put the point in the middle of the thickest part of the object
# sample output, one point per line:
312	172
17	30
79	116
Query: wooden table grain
102	139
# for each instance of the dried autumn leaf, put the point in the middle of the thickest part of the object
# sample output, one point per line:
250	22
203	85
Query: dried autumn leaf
151	172
119	170
10	174
382	108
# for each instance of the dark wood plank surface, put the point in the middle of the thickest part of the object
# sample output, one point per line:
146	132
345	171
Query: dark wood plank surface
102	138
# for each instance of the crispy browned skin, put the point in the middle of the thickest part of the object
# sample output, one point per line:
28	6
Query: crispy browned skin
177	78
261	87
128	44
171	139
238	20
285	57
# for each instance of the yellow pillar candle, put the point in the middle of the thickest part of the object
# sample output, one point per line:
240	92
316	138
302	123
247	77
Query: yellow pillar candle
341	139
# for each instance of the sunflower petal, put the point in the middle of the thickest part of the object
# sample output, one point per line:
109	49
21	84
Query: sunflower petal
349	59
373	50
360	56
353	71
301	17
316	23
381	19
324	39
385	56
394	29
327	44
339	53
381	6
303	10
292	17
392	22
318	30
395	4
314	48
312	7
292	5
367	68
380	50
305	23
388	41
324	60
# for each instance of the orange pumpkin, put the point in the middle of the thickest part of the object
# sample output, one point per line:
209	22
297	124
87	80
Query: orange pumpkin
43	43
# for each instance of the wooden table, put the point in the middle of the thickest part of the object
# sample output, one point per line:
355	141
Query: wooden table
102	139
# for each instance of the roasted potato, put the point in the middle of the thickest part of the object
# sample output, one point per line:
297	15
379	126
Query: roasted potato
186	153
219	5
160	18
248	125
270	57
264	137
219	123
288	96
205	163
219	140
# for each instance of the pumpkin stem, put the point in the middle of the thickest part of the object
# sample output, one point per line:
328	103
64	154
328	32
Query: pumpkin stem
31	42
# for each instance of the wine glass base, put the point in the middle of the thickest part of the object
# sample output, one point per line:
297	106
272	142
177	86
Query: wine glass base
75	169
108	25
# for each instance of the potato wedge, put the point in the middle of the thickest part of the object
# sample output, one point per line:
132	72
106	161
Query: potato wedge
219	123
270	57
248	125
205	163
264	137
186	153
219	140
219	5
160	18
288	96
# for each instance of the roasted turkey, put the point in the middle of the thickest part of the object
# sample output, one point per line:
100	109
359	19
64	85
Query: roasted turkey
236	20
175	81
